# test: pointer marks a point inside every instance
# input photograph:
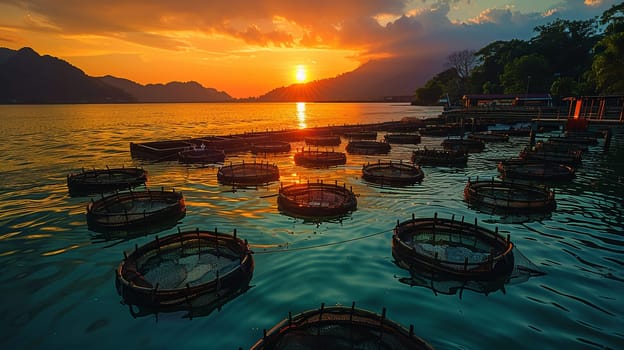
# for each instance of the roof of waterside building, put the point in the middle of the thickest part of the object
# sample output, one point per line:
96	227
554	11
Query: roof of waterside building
506	96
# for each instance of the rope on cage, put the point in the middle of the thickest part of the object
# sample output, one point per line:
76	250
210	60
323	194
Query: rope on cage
318	245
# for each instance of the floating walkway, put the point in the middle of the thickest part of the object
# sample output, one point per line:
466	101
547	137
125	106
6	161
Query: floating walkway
166	150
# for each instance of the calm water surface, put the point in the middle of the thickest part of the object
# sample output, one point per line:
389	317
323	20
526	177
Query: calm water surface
57	277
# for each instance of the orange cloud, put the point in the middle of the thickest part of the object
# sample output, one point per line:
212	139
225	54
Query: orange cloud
249	47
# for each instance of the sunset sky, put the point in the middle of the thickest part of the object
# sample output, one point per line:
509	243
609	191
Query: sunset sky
249	47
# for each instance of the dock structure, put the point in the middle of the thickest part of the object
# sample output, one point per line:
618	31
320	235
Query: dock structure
605	110
168	149
602	112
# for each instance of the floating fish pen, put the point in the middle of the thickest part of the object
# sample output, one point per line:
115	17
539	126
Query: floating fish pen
331	140
466	145
270	147
513	132
135	210
442	130
392	173
340	327
509	197
319	159
569	158
227	144
105	180
159	150
178	269
566	148
248	174
521	169
437	157
576	140
452	247
316	200
368	147
403	138
361	135
203	156
488	136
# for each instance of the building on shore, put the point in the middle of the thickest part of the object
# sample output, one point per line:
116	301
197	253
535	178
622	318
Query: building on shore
507	100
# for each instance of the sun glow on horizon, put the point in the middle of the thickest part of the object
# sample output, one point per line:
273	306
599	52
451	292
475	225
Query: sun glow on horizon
301	74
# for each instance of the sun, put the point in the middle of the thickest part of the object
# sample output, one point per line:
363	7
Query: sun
301	74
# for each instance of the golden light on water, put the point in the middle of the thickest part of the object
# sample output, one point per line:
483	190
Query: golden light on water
301	115
60	251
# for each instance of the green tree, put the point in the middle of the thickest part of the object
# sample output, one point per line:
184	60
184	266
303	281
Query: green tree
564	86
613	19
526	74
608	65
435	88
566	46
485	78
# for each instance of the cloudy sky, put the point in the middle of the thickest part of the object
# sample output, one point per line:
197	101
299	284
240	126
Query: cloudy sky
248	47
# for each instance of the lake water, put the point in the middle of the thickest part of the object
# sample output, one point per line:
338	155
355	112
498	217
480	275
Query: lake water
57	277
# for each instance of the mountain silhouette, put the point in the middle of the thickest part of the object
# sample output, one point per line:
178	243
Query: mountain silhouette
171	92
27	77
378	80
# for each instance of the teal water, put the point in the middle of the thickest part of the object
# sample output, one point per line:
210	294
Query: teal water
57	277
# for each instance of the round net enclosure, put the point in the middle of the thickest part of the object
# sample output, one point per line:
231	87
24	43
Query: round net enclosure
392	173
452	247
248	174
316	200
340	327
135	210
105	180
368	147
179	268
509	196
318	159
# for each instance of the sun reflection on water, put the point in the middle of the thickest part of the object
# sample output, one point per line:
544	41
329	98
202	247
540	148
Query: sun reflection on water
301	115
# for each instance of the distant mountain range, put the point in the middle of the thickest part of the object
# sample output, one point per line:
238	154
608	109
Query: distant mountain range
391	79
171	92
26	77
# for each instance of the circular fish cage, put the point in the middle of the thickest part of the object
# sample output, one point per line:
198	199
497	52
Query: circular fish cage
488	136
576	140
436	157
536	170
565	148
392	173
467	145
105	180
135	210
568	158
317	159
451	247
270	147
330	140
178	269
361	135
248	174
402	138
509	197
199	155
368	147
340	327
316	200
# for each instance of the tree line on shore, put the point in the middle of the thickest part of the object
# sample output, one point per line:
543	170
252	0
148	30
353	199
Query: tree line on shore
564	58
